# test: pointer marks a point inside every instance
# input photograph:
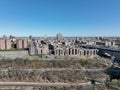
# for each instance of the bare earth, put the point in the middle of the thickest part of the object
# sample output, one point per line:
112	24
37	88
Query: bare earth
40	84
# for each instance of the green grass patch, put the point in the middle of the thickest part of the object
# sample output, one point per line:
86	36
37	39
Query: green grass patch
114	82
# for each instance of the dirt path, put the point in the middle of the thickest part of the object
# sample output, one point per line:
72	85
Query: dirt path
40	84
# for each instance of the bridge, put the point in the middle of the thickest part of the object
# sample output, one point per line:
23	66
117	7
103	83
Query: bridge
105	51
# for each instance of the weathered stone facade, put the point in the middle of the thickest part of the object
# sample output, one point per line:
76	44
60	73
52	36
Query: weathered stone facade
75	52
38	49
32	47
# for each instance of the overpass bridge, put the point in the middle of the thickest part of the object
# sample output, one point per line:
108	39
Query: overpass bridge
105	51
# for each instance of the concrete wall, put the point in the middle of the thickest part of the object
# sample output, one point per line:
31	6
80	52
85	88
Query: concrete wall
13	54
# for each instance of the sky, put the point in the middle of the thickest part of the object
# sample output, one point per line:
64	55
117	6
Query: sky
69	17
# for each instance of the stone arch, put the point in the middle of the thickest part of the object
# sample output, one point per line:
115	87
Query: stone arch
87	52
75	51
94	52
91	52
41	51
69	51
72	51
80	53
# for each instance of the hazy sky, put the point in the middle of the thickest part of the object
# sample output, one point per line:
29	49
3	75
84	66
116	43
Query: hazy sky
69	17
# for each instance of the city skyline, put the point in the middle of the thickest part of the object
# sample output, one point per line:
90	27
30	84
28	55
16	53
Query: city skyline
71	18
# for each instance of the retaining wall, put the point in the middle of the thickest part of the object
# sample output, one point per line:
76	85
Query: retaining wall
13	54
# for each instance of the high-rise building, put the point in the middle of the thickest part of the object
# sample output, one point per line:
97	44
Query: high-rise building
2	44
7	44
59	37
24	44
19	44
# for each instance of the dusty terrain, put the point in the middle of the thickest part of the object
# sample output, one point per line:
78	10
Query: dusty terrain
53	74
